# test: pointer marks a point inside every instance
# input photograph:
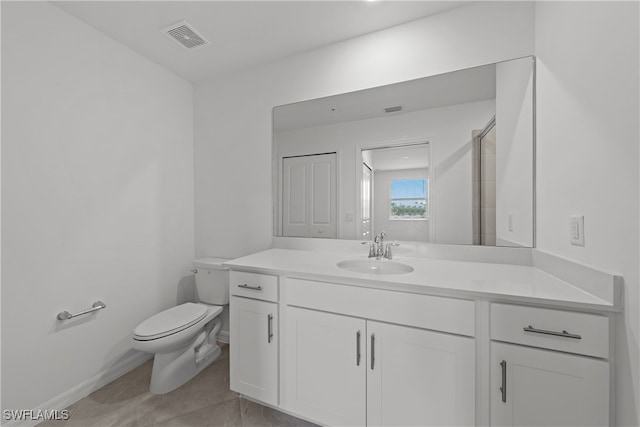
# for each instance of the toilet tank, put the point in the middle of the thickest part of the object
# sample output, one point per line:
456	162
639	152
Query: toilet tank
212	280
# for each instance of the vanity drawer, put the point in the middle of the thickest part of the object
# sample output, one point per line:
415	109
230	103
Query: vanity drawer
254	285
567	331
422	311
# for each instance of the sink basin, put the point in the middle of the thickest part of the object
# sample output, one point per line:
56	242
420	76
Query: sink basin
374	266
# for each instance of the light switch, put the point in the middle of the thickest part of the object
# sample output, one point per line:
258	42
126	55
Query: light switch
510	221
576	230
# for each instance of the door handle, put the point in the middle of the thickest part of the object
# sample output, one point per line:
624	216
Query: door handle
564	334
253	288
358	348
503	388
269	328
373	351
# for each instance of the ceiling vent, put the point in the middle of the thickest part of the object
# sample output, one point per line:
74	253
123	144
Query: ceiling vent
184	34
393	109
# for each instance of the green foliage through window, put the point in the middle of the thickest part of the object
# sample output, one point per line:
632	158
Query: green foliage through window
408	199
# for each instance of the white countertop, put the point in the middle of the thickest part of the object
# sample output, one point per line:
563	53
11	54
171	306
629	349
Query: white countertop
463	279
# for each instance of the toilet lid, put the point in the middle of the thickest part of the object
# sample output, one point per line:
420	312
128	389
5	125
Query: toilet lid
170	321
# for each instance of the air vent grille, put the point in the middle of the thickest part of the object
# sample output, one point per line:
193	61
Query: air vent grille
184	34
393	109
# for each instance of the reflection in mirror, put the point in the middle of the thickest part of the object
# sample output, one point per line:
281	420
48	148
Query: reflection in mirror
483	172
443	159
397	180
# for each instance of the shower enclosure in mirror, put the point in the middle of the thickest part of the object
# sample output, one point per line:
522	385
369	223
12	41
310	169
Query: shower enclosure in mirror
442	159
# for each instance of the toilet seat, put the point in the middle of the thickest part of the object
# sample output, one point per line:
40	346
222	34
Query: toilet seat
170	321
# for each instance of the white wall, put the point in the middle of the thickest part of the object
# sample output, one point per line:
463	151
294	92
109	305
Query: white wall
588	155
97	198
448	130
233	113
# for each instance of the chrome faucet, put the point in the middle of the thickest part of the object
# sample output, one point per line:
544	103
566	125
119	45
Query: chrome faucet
372	249
379	244
377	248
387	250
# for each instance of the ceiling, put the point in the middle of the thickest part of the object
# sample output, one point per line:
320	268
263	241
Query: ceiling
458	87
400	158
243	34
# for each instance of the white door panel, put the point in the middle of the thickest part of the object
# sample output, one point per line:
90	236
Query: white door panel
417	377
309	196
547	388
254	348
324	378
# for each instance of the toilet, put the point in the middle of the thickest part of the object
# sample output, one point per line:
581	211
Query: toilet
183	338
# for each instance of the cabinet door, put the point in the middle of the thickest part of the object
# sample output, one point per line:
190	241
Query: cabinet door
325	373
419	378
254	348
531	387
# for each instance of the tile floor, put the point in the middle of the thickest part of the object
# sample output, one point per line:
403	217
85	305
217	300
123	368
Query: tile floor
204	401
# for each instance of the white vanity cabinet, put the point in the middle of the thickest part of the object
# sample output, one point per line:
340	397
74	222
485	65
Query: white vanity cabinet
564	381
437	346
346	370
254	335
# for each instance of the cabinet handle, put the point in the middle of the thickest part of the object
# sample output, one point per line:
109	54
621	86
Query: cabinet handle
253	288
269	328
503	389
564	334
373	350
358	348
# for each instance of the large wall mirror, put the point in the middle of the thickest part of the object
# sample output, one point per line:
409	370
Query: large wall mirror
442	159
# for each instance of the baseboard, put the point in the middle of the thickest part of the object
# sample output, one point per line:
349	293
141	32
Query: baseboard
84	389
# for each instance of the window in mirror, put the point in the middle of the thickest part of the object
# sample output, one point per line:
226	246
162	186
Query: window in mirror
401	185
408	199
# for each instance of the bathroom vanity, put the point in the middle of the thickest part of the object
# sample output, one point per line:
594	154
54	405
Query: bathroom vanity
419	341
